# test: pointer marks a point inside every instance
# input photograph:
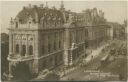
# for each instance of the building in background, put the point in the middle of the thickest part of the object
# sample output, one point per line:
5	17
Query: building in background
44	38
118	31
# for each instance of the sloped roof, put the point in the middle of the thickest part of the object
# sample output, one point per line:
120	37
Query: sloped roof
25	13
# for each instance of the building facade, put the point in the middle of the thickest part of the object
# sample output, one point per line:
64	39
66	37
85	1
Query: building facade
44	38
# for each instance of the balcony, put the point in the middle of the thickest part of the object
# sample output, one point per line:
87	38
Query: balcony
17	57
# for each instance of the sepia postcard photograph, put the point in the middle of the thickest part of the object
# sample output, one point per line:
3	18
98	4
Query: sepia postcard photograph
63	40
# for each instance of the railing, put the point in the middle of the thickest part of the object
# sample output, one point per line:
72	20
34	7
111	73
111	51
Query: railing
20	58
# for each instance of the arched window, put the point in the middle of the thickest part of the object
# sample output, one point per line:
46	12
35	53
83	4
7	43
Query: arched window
23	50
30	50
17	48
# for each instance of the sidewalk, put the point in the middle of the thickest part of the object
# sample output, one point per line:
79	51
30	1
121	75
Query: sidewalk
94	53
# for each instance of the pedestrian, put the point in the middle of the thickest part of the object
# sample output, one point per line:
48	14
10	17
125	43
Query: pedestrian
92	57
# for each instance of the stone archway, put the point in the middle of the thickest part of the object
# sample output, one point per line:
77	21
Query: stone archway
21	71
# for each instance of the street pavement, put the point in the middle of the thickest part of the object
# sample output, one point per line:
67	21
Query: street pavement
94	62
94	53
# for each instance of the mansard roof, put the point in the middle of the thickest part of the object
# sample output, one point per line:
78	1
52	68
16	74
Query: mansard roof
37	13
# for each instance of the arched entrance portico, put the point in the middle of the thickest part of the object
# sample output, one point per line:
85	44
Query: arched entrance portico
21	71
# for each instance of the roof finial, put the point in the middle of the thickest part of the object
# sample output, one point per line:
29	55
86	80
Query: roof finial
62	5
46	4
29	5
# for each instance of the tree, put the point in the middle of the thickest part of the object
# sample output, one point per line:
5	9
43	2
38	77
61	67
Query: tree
4	53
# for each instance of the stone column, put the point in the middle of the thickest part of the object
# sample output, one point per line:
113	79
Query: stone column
10	43
27	47
84	40
53	61
10	71
36	44
62	42
110	34
13	44
46	44
70	62
36	52
106	35
57	41
20	45
66	46
50	42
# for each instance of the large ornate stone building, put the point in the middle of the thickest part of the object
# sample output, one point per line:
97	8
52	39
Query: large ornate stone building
43	38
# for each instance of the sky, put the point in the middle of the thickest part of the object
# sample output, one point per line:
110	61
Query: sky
115	11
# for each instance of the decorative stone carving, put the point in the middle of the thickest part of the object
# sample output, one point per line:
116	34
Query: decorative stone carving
70	18
73	45
11	21
42	20
30	19
42	5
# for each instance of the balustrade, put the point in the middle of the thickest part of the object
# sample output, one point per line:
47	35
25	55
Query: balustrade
18	57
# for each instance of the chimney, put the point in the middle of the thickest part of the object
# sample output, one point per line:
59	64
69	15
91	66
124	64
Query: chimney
53	7
62	6
29	6
34	6
46	4
41	5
